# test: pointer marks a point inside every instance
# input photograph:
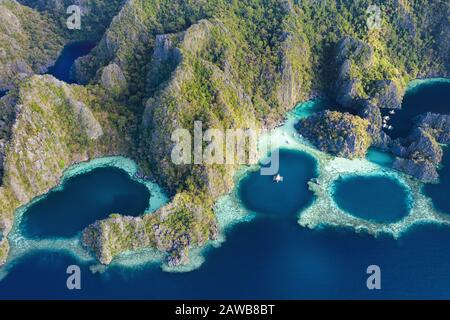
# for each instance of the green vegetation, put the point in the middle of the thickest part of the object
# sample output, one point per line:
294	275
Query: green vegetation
337	133
244	63
29	42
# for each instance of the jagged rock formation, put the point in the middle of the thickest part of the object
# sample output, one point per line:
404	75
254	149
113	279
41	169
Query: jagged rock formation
7	115
29	43
341	134
113	80
205	80
110	237
132	34
232	65
166	57
47	127
420	154
438	125
357	64
387	94
353	57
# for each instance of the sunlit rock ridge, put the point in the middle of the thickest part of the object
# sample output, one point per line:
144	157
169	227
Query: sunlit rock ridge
160	65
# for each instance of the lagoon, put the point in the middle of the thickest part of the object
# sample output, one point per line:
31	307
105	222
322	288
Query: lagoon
261	194
374	198
427	96
83	199
71	52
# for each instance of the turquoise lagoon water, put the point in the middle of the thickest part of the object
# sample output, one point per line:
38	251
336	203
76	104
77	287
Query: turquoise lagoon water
374	198
440	192
268	257
63	65
83	200
423	96
379	157
260	194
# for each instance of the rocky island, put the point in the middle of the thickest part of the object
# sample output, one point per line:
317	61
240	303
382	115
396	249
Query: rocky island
161	65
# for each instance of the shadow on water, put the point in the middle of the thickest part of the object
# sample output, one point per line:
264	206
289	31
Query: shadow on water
63	65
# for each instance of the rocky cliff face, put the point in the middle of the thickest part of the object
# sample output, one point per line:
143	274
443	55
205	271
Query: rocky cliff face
340	134
29	43
131	36
113	80
358	82
200	75
48	127
96	15
420	154
235	64
166	57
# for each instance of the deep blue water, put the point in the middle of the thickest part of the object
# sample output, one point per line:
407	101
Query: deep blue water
83	200
381	158
375	198
439	193
428	97
261	194
3	93
268	257
63	65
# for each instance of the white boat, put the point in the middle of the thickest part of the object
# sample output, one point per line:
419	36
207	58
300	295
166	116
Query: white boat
392	112
278	178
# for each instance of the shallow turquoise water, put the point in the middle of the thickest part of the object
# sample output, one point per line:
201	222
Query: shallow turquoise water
261	194
271	257
374	198
83	200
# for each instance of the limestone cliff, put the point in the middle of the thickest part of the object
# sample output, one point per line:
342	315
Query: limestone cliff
161	65
29	42
340	134
50	125
96	16
205	78
420	154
